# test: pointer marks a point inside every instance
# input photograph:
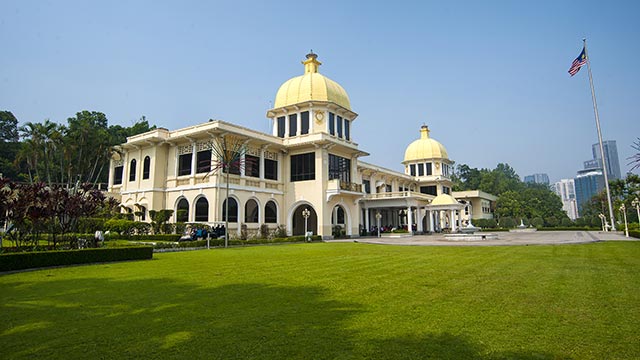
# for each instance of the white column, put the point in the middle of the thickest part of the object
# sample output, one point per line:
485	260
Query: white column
453	221
194	158
262	163
298	123
431	221
419	219
366	219
409	220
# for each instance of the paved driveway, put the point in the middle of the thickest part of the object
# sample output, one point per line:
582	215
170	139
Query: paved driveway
504	238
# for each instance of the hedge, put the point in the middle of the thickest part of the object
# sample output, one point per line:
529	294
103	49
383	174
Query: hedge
634	233
232	242
37	259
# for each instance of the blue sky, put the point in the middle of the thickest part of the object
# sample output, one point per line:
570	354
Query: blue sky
488	77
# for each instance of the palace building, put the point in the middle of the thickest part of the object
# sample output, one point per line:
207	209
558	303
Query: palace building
308	170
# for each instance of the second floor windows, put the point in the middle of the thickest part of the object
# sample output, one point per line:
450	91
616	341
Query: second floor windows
303	167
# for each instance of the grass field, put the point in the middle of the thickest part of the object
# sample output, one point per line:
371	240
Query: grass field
333	301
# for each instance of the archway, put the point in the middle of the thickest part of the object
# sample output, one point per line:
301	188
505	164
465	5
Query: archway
298	220
182	210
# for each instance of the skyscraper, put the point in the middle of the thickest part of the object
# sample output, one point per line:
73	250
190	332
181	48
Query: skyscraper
611	157
587	184
537	178
565	188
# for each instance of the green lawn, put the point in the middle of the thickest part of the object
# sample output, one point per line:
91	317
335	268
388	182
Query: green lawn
333	301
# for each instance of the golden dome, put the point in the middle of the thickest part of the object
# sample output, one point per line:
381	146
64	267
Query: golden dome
311	86
444	199
425	148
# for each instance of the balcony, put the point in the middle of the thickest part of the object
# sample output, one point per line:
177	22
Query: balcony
339	187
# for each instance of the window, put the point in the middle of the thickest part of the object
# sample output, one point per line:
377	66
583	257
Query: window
202	209
412	169
203	161
446	190
233	210
146	167
304	122
429	169
252	166
143	213
420	169
182	210
233	167
303	167
339	168
332	126
117	175
184	164
339	127
429	190
251	211
347	130
388	188
293	124
270	169
270	213
132	170
367	186
281	126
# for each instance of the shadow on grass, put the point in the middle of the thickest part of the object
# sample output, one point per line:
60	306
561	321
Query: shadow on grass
157	318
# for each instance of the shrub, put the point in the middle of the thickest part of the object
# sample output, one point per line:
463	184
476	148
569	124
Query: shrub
28	260
566	222
634	233
537	222
280	232
337	232
264	231
507	222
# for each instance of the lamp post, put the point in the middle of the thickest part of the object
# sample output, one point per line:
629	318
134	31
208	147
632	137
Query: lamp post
378	217
624	213
636	204
305	215
602	220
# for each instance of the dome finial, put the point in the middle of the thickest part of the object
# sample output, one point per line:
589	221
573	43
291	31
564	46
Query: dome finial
311	64
424	131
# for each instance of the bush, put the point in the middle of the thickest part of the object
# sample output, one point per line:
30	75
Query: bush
507	222
537	222
91	225
485	223
280	232
29	260
634	233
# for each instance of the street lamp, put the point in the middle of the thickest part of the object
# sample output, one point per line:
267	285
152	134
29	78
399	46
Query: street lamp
305	214
626	227
602	221
636	204
378	217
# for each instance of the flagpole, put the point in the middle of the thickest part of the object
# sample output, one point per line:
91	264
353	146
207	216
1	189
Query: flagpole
595	111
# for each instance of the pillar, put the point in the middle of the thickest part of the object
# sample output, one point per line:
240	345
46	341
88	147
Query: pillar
419	219
366	219
410	220
453	221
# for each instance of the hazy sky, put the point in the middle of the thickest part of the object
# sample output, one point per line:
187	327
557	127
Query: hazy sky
488	77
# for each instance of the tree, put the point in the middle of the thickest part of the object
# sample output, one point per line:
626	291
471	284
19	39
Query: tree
8	127
635	159
227	155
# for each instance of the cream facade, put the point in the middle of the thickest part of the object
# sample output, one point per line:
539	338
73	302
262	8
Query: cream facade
308	165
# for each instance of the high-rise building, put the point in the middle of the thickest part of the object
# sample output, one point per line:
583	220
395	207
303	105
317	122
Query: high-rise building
587	184
537	178
611	157
566	190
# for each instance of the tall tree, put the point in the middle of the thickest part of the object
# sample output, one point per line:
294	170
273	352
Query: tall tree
8	127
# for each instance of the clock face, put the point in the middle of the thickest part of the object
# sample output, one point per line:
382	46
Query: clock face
319	116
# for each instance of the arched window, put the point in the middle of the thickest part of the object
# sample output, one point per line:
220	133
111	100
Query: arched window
132	170
251	211
202	209
182	210
233	210
146	167
270	213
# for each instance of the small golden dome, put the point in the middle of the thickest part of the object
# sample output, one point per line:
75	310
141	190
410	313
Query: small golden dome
425	148
311	86
444	199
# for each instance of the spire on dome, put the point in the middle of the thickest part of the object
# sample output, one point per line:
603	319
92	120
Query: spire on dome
311	64
424	131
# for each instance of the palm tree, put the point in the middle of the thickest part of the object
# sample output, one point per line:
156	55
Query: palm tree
635	159
228	154
44	138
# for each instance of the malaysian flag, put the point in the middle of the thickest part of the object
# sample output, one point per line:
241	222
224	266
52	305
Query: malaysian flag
578	62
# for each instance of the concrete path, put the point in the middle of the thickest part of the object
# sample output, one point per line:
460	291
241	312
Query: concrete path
504	238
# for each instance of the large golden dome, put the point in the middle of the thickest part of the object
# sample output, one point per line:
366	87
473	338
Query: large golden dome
425	148
311	86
